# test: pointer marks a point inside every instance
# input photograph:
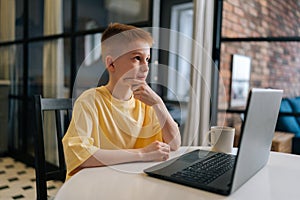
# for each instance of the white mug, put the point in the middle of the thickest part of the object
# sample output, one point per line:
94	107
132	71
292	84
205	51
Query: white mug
221	138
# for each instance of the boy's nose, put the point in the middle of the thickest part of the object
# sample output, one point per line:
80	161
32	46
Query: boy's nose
144	67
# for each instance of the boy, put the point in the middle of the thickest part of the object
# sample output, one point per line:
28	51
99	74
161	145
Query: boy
125	120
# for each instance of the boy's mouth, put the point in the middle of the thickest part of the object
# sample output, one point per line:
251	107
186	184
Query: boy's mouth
141	77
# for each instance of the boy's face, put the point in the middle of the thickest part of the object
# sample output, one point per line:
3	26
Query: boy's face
133	64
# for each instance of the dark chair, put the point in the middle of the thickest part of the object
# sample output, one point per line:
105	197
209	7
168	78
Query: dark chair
44	170
103	79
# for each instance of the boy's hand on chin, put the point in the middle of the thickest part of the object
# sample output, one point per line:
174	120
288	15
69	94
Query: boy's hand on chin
134	83
142	91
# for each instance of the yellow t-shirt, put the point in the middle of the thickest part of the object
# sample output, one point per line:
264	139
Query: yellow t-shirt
101	121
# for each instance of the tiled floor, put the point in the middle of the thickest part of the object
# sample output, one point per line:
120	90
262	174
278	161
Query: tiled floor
17	181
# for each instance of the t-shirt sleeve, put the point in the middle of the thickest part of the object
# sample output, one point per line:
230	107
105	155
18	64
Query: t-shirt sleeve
79	141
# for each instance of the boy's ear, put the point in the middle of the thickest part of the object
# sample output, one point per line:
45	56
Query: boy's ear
109	63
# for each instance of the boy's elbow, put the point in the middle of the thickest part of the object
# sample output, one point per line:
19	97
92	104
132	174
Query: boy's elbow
175	145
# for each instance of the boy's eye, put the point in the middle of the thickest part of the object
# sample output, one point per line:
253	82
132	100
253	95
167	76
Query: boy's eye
137	58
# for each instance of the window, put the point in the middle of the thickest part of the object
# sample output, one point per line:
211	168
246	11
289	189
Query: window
106	11
181	21
40	49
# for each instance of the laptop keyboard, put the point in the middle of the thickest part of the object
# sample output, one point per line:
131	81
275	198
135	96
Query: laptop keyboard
205	171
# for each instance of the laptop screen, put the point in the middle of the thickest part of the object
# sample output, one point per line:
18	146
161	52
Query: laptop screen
256	133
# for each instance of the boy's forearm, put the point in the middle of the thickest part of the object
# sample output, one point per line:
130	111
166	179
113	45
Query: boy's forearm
171	134
156	151
104	157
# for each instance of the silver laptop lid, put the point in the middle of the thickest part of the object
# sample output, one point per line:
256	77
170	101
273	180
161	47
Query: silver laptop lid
257	133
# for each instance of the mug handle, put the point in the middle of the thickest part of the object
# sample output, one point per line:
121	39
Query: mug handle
208	138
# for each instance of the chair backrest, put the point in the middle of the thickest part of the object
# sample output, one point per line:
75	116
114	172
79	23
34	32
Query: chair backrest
44	170
103	79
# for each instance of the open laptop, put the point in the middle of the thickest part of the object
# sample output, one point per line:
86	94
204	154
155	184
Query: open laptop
227	172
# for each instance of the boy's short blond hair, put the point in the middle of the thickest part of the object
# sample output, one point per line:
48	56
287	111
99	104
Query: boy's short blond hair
117	37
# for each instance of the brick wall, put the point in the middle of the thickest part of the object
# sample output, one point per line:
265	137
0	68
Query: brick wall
273	64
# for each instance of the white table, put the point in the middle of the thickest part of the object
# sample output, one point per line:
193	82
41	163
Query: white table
279	179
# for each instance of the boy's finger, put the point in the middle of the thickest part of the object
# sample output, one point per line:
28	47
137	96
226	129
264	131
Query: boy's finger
135	87
132	81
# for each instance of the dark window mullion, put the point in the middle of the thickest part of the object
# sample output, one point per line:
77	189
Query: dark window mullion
261	39
23	122
216	58
73	44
